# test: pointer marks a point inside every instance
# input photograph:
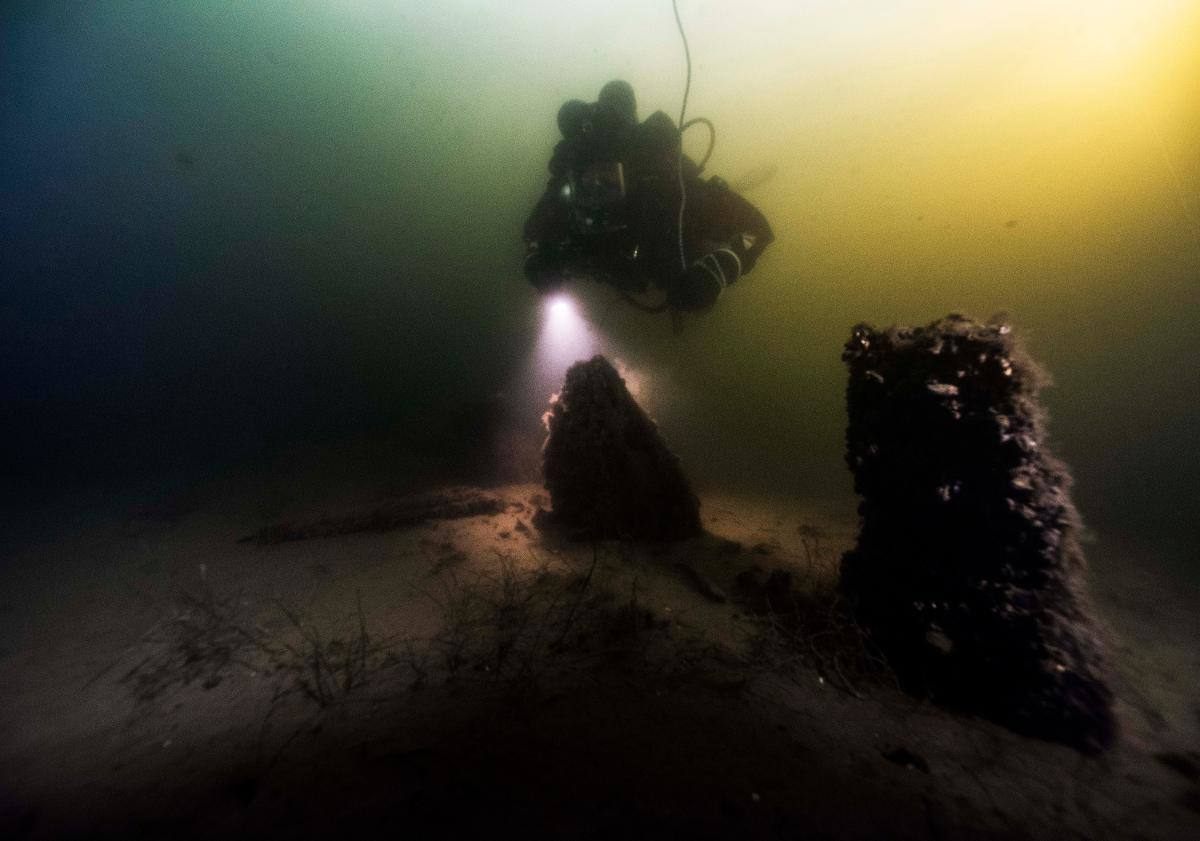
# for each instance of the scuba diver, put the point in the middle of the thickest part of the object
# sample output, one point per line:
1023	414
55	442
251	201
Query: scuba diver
625	206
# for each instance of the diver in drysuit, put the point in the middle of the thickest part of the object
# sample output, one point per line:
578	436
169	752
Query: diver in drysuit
612	208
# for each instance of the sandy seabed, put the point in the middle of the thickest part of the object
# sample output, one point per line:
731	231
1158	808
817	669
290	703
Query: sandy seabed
160	677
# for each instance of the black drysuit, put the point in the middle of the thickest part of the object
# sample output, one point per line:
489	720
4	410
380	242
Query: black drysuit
611	211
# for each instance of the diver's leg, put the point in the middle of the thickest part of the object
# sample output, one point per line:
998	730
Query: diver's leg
723	221
705	279
724	237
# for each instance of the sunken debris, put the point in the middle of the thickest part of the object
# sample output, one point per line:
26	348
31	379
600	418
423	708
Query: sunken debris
608	471
453	503
968	570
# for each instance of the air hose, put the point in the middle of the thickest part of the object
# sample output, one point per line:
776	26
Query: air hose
684	126
712	136
687	54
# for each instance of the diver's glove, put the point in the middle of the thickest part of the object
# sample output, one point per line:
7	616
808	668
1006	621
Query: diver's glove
542	270
699	287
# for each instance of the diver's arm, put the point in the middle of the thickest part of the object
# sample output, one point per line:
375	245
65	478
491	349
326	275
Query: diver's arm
561	160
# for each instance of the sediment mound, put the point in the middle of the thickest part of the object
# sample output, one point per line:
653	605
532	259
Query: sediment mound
968	569
608	471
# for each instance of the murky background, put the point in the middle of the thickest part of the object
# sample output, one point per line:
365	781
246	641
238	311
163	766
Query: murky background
230	229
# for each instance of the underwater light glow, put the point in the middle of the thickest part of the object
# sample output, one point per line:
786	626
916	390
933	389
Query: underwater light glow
565	337
560	309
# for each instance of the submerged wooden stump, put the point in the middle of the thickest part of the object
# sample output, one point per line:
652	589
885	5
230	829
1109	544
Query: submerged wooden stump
608	471
968	570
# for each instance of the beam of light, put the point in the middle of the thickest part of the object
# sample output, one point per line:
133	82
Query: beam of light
565	337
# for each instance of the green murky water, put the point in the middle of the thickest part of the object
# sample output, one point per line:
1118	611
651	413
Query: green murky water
228	227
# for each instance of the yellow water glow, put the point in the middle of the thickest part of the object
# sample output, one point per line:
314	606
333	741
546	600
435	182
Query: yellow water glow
1031	156
1040	157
